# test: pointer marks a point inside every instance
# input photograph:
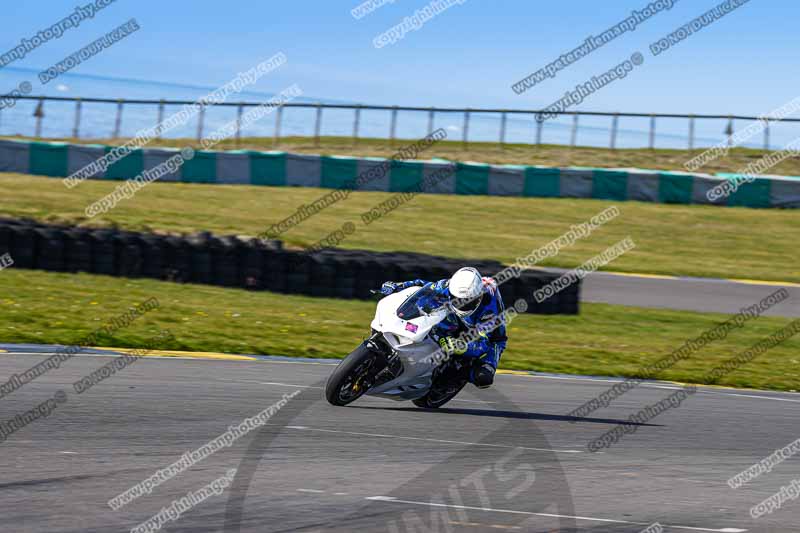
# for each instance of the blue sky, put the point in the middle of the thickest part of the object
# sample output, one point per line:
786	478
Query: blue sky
467	56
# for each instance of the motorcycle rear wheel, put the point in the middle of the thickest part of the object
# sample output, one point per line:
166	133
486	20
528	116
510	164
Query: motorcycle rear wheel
346	383
438	396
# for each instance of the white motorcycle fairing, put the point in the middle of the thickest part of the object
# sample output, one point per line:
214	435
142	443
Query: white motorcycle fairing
410	343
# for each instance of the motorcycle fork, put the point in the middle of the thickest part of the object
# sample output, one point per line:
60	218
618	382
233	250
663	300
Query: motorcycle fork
388	365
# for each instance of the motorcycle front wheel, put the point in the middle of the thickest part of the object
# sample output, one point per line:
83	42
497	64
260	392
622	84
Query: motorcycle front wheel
348	382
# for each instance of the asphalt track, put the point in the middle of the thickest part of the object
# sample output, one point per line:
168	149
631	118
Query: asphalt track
506	459
705	295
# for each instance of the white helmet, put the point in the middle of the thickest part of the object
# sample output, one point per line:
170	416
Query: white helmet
466	287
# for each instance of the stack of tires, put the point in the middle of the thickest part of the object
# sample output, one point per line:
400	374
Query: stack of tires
230	261
353	273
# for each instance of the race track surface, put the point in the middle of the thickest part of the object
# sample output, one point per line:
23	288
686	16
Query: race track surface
703	295
505	459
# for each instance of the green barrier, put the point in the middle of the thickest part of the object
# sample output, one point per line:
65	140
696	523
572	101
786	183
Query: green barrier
609	184
542	182
267	168
405	176
48	159
270	169
472	178
202	168
126	168
675	188
338	172
755	194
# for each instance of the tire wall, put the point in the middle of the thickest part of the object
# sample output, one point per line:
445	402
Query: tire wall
230	261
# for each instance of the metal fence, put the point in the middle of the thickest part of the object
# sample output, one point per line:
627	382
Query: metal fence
392	111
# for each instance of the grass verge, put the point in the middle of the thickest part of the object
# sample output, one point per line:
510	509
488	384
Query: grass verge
670	239
44	307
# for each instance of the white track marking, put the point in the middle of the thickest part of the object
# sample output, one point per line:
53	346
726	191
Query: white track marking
773	398
440	441
315	491
287	385
120	354
566	378
335	362
312	387
392	499
659	386
650	386
478	524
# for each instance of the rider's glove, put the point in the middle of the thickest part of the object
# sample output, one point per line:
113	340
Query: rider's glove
388	288
452	346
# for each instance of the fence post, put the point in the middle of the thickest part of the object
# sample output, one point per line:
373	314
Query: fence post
159	130
729	132
318	124
652	131
503	129
76	128
539	124
465	140
200	119
574	138
356	124
159	127
239	111
614	126
118	121
393	126
278	119
39	114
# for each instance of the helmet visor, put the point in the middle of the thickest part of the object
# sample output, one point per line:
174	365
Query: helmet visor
466	306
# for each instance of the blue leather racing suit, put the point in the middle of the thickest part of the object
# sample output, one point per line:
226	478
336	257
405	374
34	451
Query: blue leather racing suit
490	344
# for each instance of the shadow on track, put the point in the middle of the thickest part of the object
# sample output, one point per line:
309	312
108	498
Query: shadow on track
508	415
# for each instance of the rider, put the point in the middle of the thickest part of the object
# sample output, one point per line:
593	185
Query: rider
473	301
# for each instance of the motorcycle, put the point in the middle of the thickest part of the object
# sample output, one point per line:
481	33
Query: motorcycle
401	360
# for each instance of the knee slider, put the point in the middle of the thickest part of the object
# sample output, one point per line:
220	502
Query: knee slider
483	376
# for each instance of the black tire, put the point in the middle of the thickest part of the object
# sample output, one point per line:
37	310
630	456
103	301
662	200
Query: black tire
437	398
339	389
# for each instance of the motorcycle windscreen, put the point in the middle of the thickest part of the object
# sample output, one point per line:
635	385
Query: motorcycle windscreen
423	302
